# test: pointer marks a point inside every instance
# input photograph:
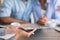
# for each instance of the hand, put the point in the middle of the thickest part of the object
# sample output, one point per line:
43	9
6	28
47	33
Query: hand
31	32
20	27
58	8
42	20
24	22
23	33
8	30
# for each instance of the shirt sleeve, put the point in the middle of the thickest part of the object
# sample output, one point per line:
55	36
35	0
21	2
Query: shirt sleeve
6	8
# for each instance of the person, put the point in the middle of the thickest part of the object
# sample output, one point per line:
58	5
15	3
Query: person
50	8
53	10
16	11
39	9
19	32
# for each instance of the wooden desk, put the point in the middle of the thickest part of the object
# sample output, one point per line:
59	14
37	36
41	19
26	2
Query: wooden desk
42	34
45	34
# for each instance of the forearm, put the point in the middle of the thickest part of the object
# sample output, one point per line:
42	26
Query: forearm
8	20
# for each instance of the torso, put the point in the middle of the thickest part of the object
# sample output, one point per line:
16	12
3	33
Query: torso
19	9
57	8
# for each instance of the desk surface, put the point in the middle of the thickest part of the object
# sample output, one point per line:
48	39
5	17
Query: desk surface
34	26
45	34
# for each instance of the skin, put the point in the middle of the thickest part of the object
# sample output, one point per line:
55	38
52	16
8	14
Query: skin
42	20
19	33
8	20
25	0
58	8
42	2
1	1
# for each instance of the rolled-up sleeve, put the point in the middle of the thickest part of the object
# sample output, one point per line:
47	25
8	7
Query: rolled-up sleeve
5	10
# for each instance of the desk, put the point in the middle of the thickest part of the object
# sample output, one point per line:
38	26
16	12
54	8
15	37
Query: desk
42	34
45	34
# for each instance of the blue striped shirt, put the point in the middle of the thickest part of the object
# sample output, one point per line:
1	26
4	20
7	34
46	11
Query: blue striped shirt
16	9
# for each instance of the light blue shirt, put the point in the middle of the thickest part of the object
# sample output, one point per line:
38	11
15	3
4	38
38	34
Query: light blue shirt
36	10
16	9
51	10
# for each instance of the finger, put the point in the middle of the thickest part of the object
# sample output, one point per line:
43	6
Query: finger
31	32
22	28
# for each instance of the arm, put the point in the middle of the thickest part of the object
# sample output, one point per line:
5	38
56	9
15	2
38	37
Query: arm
8	20
42	20
5	13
